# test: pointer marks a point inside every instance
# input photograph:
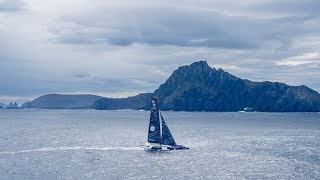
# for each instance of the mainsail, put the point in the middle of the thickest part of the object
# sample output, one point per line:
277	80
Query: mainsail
158	130
154	135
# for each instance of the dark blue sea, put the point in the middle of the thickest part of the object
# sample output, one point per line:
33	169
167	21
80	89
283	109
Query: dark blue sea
88	144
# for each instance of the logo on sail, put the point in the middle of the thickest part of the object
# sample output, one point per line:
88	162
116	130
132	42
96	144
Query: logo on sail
152	128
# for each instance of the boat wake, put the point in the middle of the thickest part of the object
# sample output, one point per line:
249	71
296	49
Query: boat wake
74	148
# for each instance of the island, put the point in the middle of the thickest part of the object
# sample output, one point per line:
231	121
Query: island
198	87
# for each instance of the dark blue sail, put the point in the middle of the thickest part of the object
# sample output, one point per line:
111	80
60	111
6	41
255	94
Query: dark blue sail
154	132
159	132
167	137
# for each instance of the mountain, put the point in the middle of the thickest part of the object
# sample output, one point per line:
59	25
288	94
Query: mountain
62	101
198	87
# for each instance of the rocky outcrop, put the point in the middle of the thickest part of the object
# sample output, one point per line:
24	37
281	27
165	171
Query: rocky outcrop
198	87
12	106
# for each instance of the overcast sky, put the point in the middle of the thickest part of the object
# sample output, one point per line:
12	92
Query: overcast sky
120	48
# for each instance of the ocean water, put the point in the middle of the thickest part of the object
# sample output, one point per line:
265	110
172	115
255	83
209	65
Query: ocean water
88	144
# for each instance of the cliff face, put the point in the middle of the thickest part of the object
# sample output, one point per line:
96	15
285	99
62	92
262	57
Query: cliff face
198	87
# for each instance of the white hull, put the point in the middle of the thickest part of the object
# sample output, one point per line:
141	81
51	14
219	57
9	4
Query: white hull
156	147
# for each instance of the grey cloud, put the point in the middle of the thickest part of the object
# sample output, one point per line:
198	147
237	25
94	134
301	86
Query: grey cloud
82	75
170	26
289	7
182	27
135	48
11	5
23	78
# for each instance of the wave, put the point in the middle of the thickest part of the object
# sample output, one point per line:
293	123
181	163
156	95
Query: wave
74	148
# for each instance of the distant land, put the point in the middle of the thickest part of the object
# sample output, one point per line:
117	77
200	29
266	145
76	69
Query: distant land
2	105
198	87
63	101
12	105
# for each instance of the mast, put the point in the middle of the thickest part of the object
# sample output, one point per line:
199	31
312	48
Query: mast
160	122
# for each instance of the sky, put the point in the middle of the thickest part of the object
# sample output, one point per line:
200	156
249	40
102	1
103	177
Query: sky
119	48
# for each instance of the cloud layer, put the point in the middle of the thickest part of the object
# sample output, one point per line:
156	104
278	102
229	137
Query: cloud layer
122	48
11	5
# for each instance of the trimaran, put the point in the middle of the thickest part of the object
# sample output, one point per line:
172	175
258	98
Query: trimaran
159	135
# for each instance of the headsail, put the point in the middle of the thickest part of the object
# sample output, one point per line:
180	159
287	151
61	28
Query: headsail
167	137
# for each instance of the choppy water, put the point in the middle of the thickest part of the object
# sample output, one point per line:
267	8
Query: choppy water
86	144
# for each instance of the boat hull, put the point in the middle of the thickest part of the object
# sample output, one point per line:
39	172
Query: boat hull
179	147
158	147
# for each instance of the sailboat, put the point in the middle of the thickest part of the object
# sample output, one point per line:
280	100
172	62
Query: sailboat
159	135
